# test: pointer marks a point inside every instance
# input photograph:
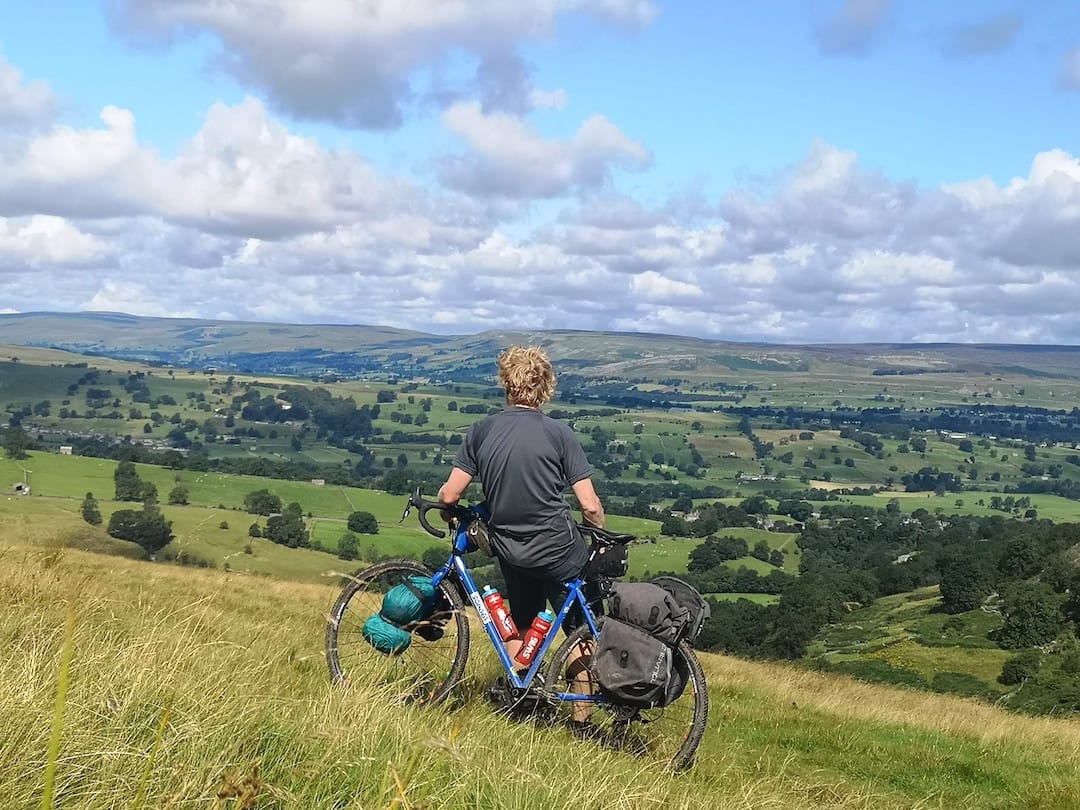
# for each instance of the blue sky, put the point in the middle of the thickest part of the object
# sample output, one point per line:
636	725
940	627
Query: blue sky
828	171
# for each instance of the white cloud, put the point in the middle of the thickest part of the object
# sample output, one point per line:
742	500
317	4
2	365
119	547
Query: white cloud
42	240
23	103
243	173
355	63
878	268
653	286
987	36
134	299
510	159
252	220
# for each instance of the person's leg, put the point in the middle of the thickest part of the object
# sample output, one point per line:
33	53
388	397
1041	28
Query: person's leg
577	664
526	598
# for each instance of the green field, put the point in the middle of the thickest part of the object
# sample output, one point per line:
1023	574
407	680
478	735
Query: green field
908	632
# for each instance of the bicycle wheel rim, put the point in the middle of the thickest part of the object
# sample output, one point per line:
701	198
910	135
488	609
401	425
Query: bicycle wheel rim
427	669
668	736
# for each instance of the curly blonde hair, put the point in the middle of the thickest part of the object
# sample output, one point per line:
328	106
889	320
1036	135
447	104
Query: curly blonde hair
526	374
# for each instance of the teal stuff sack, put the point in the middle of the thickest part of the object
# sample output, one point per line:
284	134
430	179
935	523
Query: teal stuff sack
385	637
411	601
403	607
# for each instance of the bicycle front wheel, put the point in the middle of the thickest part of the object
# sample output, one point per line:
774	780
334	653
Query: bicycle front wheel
669	735
424	672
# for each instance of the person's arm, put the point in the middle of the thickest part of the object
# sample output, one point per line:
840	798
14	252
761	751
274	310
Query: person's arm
591	508
455	486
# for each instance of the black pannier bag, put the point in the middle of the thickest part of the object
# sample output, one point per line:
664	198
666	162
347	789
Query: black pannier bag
631	667
689	597
650	607
634	662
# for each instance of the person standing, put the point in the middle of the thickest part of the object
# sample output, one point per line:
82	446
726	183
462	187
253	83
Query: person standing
525	460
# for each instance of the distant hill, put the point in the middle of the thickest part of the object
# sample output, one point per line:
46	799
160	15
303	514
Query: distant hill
355	350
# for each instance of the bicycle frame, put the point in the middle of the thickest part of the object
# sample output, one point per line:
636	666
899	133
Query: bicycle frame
455	562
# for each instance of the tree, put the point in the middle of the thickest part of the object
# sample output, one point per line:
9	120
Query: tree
16	443
147	527
89	509
755	505
287	529
348	547
1020	667
262	502
674	526
129	487
964	584
395	481
1031	617
363	523
178	495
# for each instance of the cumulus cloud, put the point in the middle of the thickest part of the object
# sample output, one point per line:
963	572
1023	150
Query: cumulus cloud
988	36
40	241
242	173
510	159
355	64
249	220
1069	72
653	286
134	299
851	30
23	103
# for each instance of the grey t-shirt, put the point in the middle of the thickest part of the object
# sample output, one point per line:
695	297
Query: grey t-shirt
525	460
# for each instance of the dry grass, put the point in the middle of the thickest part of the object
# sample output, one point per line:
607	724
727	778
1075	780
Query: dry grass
857	700
204	689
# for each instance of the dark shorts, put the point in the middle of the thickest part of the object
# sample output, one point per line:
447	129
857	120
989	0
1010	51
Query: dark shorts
530	591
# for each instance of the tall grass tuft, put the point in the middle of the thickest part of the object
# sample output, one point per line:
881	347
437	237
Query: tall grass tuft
140	797
66	652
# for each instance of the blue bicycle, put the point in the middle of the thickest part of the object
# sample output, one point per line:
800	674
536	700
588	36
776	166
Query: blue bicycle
556	688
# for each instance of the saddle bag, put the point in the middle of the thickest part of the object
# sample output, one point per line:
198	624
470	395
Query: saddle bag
607	562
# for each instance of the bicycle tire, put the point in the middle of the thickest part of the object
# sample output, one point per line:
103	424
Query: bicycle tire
427	670
671	734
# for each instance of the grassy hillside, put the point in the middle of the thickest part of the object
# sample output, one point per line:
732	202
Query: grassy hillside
193	688
214	526
920	374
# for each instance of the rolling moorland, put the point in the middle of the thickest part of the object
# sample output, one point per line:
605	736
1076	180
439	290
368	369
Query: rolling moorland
826	498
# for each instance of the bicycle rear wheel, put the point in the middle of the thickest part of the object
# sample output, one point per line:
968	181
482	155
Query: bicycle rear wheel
428	668
670	735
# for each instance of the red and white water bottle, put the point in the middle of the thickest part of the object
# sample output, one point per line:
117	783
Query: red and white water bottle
534	637
504	622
